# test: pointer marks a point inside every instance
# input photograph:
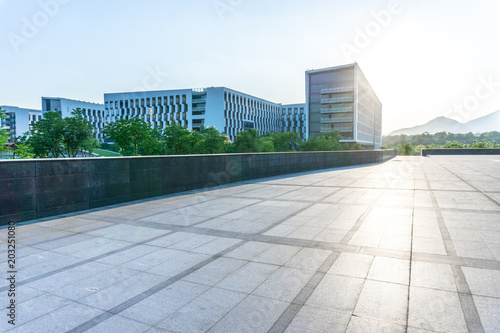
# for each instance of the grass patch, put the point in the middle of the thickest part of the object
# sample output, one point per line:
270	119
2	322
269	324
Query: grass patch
106	153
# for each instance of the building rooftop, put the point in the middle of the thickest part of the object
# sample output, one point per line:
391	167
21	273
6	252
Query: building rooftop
408	245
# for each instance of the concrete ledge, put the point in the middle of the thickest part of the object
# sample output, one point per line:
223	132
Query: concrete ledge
47	187
461	151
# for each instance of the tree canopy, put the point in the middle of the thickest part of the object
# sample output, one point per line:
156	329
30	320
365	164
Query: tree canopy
128	134
413	144
4	134
56	137
328	141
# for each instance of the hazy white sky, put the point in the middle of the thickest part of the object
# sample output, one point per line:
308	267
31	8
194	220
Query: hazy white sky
424	58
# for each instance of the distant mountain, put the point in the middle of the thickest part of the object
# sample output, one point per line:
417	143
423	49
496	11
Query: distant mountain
487	123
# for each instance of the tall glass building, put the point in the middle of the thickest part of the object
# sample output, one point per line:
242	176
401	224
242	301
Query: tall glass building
340	98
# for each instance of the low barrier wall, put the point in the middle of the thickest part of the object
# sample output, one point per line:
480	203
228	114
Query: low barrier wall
460	151
31	189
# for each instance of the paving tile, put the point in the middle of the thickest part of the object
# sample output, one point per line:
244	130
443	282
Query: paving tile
305	232
94	283
36	258
351	264
203	312
39	306
128	255
432	275
310	259
317	320
69	276
61	320
215	272
253	314
249	250
119	324
472	250
216	246
489	312
192	242
483	282
383	301
395	242
277	254
366	238
336	292
47	266
365	325
171	239
435	310
122	291
284	284
26	293
153	259
178	264
331	235
390	270
248	278
165	302
100	247
428	245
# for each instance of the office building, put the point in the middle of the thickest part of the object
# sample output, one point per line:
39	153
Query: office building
227	110
340	98
294	119
18	120
93	112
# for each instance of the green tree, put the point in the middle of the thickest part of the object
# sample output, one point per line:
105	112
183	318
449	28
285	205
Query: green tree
152	144
46	136
128	134
56	137
328	141
78	137
453	144
210	141
407	149
483	145
4	134
418	149
246	141
357	146
22	150
179	140
265	144
285	141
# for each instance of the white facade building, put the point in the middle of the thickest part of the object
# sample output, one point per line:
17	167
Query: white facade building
93	112
19	120
227	110
294	119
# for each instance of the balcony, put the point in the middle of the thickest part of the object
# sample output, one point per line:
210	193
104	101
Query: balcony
337	110
199	108
337	120
337	100
199	99
336	90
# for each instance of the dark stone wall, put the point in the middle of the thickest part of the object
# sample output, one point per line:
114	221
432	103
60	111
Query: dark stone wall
465	151
31	189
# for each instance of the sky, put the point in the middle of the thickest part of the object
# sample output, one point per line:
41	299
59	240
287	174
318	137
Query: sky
424	58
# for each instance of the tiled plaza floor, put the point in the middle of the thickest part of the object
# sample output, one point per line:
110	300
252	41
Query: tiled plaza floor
411	245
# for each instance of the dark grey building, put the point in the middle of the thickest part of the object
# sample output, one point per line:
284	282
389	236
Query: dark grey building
340	98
